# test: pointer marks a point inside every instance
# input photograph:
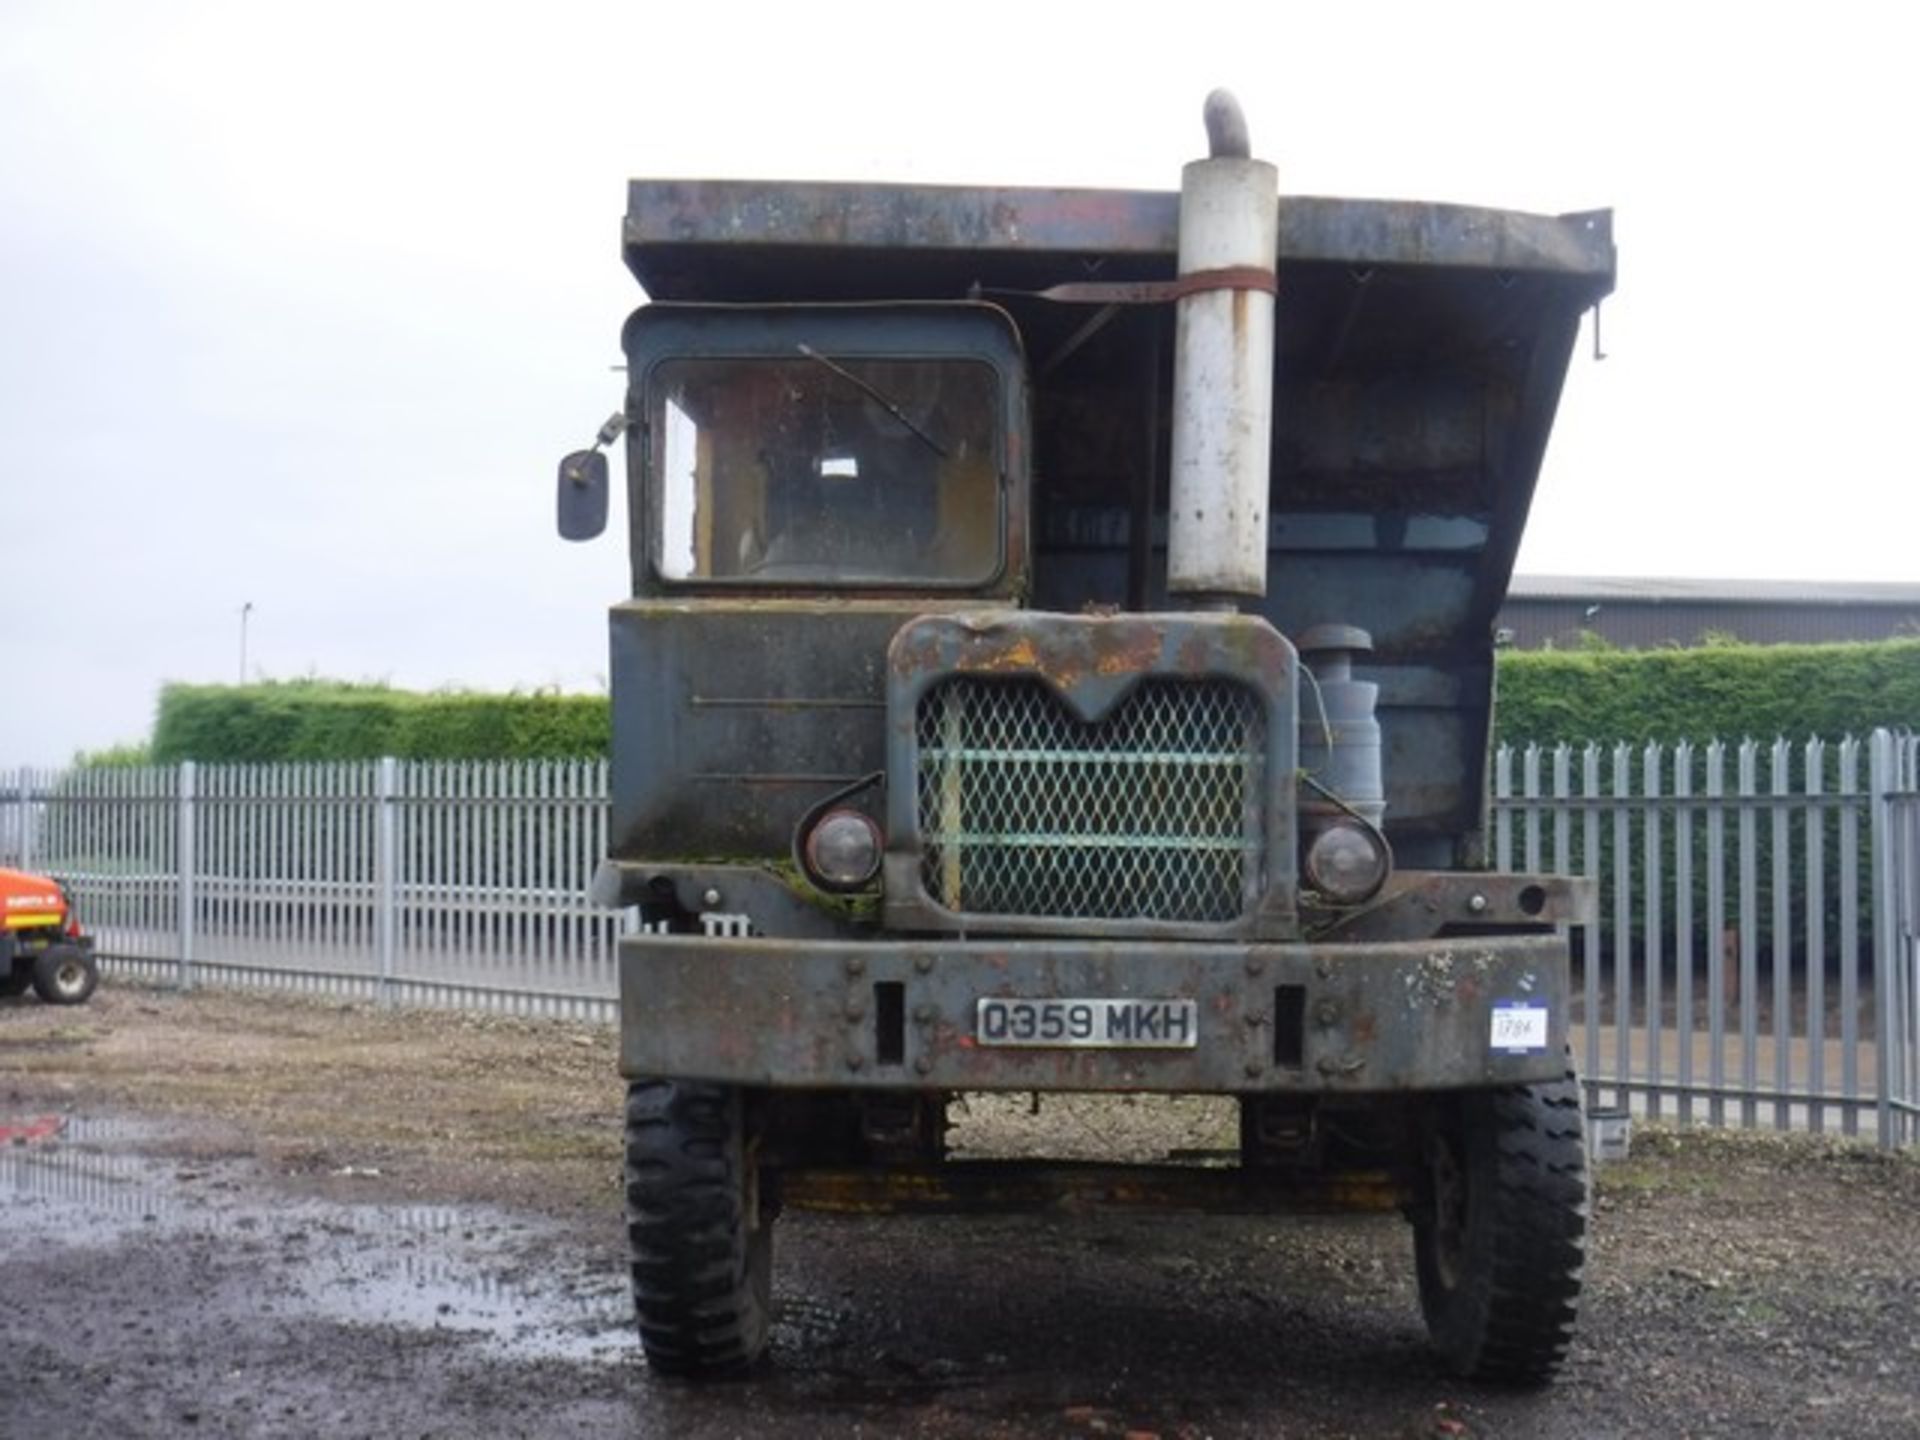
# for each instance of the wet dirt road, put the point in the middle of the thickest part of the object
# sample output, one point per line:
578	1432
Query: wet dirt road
262	1217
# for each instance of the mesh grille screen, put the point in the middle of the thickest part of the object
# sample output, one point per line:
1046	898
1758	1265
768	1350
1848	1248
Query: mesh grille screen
1155	812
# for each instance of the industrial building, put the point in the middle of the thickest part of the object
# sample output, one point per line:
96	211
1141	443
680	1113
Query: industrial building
1558	611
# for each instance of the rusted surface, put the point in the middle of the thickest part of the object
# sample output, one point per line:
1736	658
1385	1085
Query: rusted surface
1377	1018
778	902
1092	659
1016	1187
1090	663
1417	904
732	717
696	239
1160	292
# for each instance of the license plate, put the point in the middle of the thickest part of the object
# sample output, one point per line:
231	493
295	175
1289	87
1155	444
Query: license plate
1091	1024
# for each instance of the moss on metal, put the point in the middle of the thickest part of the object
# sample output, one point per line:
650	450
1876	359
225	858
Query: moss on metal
860	908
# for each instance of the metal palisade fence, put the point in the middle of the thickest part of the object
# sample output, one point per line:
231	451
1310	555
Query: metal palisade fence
461	883
1755	960
1758	937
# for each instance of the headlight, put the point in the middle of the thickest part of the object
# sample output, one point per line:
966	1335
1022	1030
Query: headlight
1348	862
842	851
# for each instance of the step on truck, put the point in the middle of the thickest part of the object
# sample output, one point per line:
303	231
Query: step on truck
1060	659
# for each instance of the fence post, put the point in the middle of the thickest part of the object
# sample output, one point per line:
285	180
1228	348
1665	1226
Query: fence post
1502	814
1685	958
386	870
1850	907
1653	914
1782	939
1622	888
23	819
184	861
1748	784
1906	749
1882	781
1906	913
1813	776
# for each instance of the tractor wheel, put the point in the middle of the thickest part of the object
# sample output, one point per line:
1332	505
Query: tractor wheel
700	1235
15	977
1501	1249
64	975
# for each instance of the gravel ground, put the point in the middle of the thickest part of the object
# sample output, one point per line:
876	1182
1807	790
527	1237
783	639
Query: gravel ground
269	1216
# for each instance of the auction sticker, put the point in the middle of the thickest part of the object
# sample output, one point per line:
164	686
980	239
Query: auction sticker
1519	1028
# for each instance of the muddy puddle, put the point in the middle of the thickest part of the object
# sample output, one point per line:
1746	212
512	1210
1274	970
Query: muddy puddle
481	1275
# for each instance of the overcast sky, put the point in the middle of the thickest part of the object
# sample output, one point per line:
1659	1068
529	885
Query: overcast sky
303	301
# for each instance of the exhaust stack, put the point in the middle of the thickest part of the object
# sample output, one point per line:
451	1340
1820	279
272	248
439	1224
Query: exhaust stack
1223	367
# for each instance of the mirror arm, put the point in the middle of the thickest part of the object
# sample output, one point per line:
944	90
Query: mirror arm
609	432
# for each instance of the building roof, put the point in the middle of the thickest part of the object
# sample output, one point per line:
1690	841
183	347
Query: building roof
1627	589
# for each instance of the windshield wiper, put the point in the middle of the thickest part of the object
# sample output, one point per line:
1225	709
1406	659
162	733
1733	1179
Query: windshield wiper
875	395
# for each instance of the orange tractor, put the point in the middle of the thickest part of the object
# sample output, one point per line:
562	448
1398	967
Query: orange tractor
40	941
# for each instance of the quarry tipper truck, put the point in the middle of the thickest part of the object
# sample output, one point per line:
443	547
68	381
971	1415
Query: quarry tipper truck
1060	659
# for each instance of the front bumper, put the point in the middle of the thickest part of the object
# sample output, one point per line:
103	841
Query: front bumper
1390	1016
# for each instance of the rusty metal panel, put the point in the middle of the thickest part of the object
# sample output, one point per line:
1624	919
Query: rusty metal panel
976	1187
734	717
696	239
1416	904
1377	1018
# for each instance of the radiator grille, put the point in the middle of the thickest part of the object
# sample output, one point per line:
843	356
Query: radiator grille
1156	811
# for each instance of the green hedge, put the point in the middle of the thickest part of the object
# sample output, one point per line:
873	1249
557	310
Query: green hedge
1730	693
332	720
1720	692
1546	697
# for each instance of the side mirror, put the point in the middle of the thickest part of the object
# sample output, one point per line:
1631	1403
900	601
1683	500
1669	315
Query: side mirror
582	509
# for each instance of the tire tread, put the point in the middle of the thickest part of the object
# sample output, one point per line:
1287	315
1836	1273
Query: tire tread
699	1289
1511	1320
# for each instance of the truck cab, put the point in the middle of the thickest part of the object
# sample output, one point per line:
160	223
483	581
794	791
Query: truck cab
1059	659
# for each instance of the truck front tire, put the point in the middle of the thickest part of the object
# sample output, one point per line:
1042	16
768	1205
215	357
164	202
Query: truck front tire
700	1237
1501	1247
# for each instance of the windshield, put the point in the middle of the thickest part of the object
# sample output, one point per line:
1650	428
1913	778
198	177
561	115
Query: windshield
826	469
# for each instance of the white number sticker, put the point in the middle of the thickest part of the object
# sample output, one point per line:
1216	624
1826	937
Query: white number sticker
1519	1028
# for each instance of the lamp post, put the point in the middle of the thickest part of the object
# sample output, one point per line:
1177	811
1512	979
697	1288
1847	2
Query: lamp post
246	609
